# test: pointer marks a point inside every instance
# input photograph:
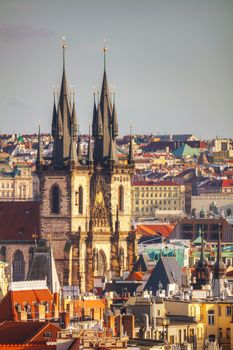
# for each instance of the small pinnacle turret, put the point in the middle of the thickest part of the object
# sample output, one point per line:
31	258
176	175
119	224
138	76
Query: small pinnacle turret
89	152
73	160
112	151
39	158
79	150
219	268
54	118
94	120
74	120
131	155
114	120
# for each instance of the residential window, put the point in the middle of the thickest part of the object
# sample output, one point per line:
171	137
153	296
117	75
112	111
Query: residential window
228	333
80	200
211	317
228	310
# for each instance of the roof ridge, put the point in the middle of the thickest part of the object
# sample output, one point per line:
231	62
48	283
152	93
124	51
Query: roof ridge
43	324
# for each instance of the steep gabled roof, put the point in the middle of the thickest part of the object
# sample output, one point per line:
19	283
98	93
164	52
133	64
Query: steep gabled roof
166	271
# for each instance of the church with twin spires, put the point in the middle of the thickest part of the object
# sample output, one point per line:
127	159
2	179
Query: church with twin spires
86	199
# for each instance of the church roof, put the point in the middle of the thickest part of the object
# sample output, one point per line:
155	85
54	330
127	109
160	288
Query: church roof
43	267
166	271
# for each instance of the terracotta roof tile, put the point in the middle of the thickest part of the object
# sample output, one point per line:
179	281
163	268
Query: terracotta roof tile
22	332
135	276
7	305
155	230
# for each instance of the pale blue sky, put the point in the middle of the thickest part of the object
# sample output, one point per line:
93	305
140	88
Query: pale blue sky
171	62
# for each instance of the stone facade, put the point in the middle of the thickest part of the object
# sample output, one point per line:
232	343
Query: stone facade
87	244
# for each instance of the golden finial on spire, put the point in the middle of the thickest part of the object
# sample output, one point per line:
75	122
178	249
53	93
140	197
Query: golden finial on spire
63	42
105	50
54	93
63	47
94	92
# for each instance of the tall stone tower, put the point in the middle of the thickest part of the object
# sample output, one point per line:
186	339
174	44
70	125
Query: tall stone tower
86	200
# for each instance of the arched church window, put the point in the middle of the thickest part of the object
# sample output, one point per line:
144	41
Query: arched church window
102	268
18	266
121	198
80	200
55	199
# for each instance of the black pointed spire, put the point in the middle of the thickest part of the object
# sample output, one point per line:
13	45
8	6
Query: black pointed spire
79	151
64	85
39	158
74	119
94	120
54	118
72	152
65	110
131	155
114	119
201	232
106	111
219	268
202	269
99	123
59	124
112	151
89	152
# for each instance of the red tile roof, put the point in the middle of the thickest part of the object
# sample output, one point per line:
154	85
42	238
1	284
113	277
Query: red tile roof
27	347
7	305
157	229
25	332
19	220
227	183
135	276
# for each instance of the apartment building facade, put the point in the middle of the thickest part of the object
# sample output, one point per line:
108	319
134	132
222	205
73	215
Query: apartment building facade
149	197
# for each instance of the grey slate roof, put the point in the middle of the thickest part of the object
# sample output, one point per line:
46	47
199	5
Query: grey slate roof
43	267
166	271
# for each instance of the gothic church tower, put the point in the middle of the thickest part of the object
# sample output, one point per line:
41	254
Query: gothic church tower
86	200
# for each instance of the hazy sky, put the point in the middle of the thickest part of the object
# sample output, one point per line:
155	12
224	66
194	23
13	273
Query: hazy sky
171	62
